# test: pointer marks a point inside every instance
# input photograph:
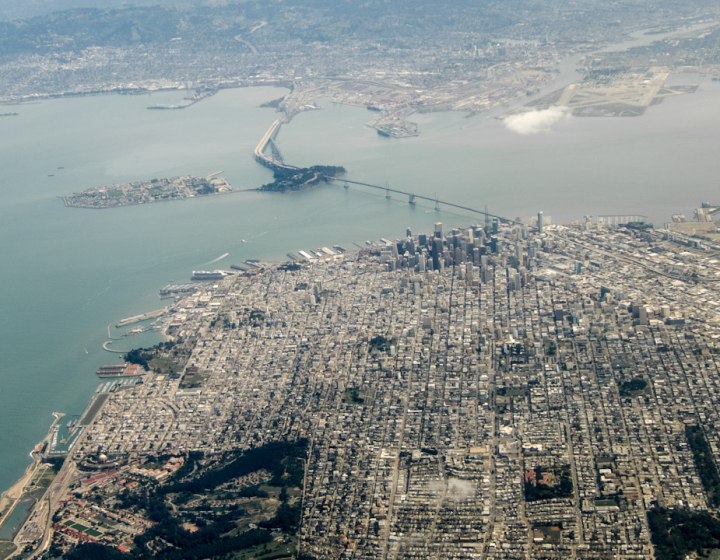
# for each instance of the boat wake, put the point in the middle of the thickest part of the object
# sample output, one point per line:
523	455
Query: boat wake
221	257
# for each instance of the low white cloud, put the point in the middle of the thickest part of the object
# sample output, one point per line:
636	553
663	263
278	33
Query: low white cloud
459	490
533	122
454	489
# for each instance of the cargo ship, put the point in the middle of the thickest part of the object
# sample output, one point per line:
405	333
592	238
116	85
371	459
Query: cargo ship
206	275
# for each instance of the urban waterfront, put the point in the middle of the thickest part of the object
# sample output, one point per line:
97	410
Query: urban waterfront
79	270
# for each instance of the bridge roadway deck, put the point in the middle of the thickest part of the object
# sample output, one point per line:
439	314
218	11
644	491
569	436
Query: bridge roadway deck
413	196
259	151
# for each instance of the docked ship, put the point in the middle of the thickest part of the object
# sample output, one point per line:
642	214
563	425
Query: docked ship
172	290
205	275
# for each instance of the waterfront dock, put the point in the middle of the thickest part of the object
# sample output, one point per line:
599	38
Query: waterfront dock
141	317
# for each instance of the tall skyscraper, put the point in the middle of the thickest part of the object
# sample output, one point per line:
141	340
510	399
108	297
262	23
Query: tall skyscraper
540	222
437	252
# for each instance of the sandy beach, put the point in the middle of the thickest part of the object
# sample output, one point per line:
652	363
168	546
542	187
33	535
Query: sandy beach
12	495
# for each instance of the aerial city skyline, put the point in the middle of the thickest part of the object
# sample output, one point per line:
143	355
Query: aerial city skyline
315	280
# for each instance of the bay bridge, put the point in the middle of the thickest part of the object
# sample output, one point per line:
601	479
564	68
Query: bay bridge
413	198
275	161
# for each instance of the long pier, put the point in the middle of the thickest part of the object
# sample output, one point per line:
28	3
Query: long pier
141	317
412	198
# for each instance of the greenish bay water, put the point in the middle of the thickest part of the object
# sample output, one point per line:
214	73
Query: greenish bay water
67	273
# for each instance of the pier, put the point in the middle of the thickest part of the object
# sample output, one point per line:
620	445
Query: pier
618	220
106	347
141	317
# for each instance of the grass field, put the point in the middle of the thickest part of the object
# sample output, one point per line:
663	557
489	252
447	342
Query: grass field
6	549
164	366
270	551
97	405
42	478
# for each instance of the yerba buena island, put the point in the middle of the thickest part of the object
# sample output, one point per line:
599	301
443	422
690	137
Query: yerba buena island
499	391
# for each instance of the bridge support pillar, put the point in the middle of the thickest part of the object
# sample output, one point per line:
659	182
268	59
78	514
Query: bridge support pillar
437	205
387	193
411	199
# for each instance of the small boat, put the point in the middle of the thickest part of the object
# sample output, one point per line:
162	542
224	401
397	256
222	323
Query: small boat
86	351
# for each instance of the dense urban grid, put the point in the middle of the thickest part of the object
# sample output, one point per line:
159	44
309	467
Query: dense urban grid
506	390
396	57
501	391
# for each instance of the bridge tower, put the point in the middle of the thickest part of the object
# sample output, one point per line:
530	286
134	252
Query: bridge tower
387	193
346	186
437	205
411	199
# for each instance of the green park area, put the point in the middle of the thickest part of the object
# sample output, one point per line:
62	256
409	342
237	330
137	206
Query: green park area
6	549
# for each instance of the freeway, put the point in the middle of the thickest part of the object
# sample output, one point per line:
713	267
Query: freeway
637	262
259	151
